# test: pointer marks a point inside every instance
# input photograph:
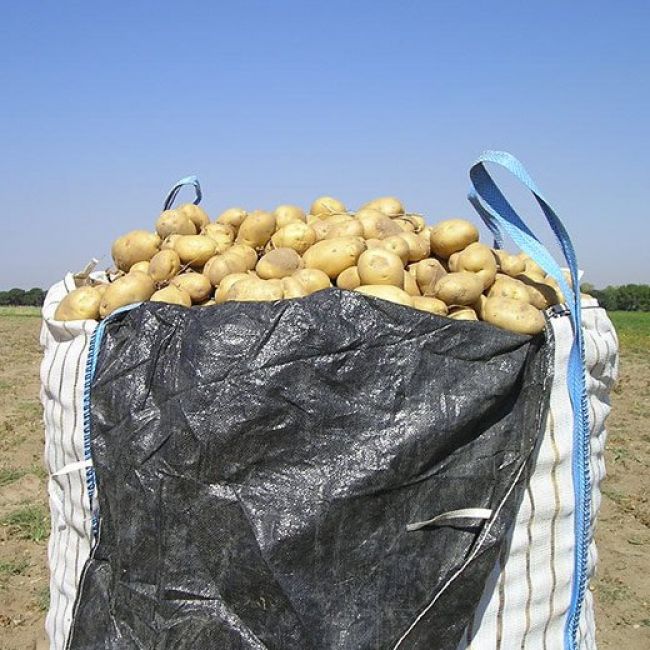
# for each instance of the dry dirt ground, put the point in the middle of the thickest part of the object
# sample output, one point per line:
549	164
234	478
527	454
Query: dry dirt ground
622	587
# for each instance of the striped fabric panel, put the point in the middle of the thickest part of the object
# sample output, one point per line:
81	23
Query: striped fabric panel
526	605
65	349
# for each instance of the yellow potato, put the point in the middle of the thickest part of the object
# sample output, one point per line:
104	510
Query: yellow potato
540	294
135	246
195	284
376	225
379	266
279	263
172	295
418	246
479	259
458	312
395	244
173	222
130	288
169	242
418	222
334	255
509	264
432	305
387	292
218	231
233	217
256	230
225	284
256	290
292	288
451	236
296	235
513	315
507	287
241	257
404	225
347	228
391	206
164	265
141	266
80	304
195	214
326	205
458	288
195	250
427	273
220	266
349	279
286	214
411	285
313	279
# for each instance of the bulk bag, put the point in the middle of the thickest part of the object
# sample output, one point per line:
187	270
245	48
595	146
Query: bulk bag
327	472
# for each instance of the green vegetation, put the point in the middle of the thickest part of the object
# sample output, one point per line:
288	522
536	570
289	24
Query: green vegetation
20	312
13	568
10	475
633	329
628	297
33	297
30	522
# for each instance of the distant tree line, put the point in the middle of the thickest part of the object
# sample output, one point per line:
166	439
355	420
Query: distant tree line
32	297
627	297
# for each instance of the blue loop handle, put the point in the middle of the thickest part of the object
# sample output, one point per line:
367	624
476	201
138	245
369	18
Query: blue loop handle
173	193
488	219
495	209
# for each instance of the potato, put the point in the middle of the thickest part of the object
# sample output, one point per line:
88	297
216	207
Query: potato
141	266
172	295
507	287
225	284
513	315
195	214
427	273
286	214
376	225
135	246
257	229
333	256
169	242
379	266
195	250
218	231
559	295
452	262
509	264
80	304
418	246
451	236
391	206
395	244
404	225
255	290
326	205
387	292
100	288
349	279
164	265
458	288
313	279
241	257
534	270
130	288
375	243
232	217
411	285
432	305
219	266
417	221
296	235
195	284
347	228
458	312
293	288
540	294
278	264
173	222
479	259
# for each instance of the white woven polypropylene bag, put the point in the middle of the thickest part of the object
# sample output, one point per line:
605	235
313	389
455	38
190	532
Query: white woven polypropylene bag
526	600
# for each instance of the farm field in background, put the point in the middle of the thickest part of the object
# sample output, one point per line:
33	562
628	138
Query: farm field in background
622	587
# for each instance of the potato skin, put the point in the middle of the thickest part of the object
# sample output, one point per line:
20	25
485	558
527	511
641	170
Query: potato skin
380	266
225	285
195	250
286	214
427	272
293	288
195	284
458	312
141	266
459	288
313	279
419	248
478	258
509	264
130	288
411	285
232	217
164	265
451	236
278	264
391	206
80	304
296	235
387	292
173	222
256	290
326	206
506	287
195	214
376	225
432	305
349	279
513	315
256	230
242	257
172	295
395	244
332	256
135	246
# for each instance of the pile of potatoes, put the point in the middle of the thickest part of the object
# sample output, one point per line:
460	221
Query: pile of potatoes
380	250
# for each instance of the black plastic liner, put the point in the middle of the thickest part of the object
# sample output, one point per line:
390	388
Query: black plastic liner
258	463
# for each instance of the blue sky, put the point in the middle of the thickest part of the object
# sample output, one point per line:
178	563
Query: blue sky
105	106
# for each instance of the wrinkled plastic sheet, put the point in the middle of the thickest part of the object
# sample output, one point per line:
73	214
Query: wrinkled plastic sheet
258	463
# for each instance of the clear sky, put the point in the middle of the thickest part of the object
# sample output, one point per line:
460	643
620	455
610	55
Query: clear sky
105	105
